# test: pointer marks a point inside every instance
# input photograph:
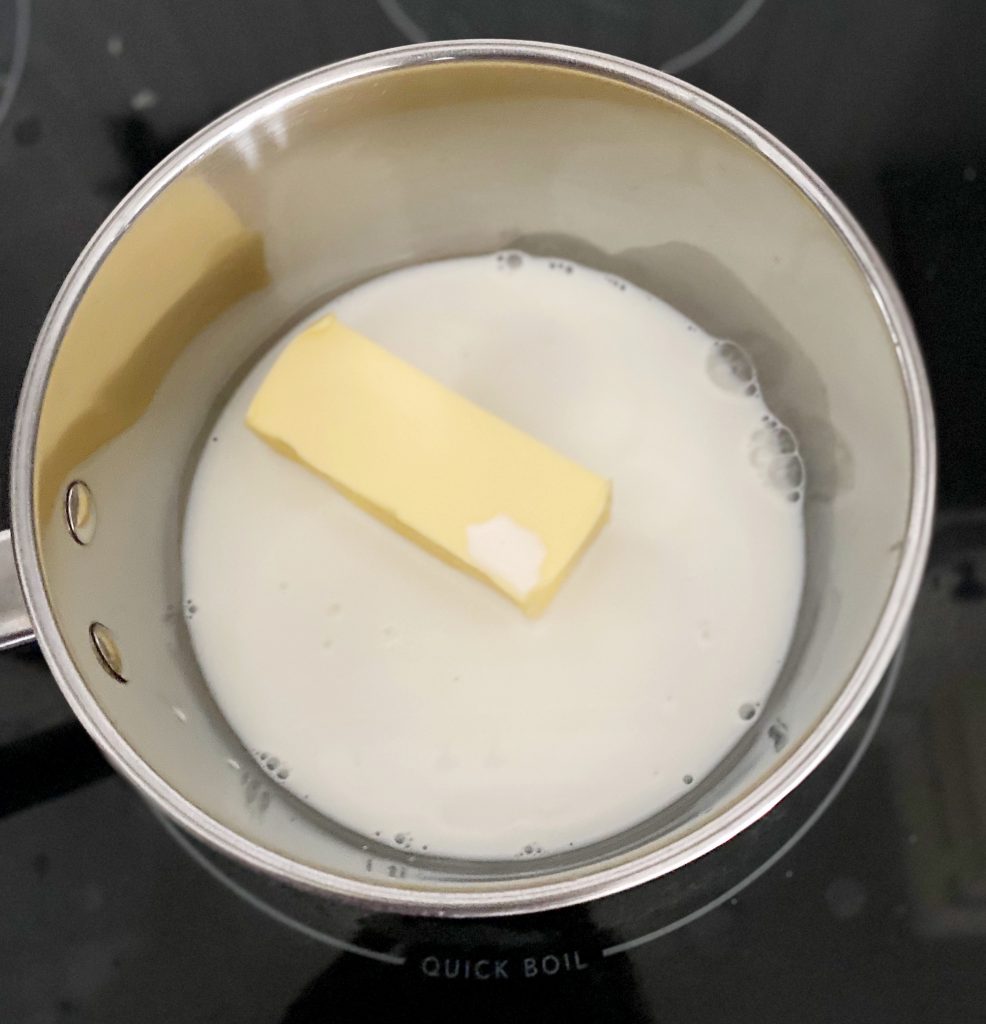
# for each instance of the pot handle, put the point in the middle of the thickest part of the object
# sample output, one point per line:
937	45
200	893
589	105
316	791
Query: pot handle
15	624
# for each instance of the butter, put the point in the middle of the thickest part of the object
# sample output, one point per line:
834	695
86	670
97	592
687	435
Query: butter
466	486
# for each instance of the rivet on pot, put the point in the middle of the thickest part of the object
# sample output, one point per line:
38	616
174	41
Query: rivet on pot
80	512
106	650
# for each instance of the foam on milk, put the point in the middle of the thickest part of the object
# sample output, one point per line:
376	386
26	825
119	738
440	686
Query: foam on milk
416	705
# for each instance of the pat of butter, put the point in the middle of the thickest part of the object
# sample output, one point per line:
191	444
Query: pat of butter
463	484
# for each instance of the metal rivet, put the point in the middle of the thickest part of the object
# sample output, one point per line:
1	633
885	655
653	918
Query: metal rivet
106	650
80	512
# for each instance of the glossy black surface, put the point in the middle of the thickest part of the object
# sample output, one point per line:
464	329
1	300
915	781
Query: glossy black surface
879	913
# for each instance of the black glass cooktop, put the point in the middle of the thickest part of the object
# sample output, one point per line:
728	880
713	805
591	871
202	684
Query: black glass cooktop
862	897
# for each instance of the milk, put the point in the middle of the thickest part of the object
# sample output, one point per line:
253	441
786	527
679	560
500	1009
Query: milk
417	706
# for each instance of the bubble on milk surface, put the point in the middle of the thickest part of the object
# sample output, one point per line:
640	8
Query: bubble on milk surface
774	451
509	260
513	260
775	455
273	766
730	367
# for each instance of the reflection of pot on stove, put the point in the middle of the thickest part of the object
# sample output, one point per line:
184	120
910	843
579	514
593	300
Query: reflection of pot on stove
936	737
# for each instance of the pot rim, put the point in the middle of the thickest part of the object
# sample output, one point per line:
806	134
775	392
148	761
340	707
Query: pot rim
533	894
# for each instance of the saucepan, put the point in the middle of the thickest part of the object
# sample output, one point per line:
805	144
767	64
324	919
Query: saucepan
413	154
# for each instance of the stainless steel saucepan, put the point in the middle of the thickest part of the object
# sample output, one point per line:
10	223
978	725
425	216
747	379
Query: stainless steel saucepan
415	154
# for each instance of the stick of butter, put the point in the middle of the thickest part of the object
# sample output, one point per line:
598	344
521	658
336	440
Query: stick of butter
466	486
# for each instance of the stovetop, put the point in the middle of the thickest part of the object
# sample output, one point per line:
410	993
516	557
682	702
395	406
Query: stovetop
866	900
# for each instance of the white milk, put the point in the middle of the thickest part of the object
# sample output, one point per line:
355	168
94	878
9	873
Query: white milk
415	704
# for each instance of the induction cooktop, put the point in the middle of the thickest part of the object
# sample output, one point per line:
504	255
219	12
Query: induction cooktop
861	897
